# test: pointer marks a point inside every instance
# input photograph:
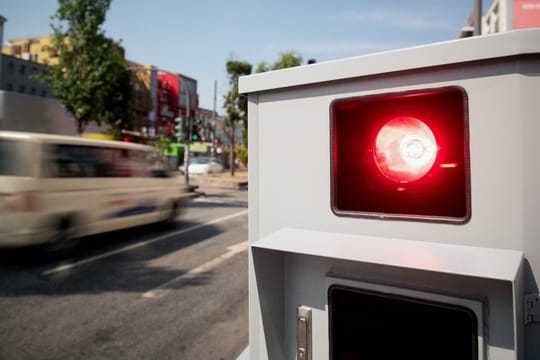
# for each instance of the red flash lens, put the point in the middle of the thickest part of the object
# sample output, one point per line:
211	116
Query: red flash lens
402	155
405	149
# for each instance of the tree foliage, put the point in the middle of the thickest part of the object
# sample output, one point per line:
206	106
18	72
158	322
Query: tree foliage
162	143
262	67
235	105
286	59
90	76
242	154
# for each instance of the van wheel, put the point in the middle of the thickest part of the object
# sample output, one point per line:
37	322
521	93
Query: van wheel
63	239
172	214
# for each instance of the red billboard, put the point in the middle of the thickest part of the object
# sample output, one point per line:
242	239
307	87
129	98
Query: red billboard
168	87
526	14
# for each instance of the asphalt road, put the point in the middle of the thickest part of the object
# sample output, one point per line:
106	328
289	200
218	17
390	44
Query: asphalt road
143	293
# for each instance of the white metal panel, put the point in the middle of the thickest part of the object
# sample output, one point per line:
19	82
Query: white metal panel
305	283
489	263
290	188
294	179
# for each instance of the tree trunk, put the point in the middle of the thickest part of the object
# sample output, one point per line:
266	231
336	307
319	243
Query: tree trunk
80	127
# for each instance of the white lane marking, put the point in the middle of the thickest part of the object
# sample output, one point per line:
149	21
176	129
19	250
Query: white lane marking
163	289
139	244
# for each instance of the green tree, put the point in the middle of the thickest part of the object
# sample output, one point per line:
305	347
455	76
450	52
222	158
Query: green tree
235	105
90	77
262	67
242	154
286	59
162	143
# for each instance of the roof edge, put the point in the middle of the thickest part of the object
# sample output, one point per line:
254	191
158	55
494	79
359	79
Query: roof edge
477	48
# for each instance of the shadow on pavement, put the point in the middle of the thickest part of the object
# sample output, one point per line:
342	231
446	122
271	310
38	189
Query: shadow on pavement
129	271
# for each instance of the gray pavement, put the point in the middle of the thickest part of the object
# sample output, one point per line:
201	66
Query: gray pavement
181	297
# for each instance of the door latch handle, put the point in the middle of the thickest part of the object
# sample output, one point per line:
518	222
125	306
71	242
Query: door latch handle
303	333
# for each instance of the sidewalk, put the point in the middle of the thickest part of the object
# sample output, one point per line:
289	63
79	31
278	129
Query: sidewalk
221	181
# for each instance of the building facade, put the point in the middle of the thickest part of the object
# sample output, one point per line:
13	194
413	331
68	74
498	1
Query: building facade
176	95
22	76
206	122
33	49
505	15
142	104
158	97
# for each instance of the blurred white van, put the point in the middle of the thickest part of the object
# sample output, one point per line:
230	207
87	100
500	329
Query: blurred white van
54	188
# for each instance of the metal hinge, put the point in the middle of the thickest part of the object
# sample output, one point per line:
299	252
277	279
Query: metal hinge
532	308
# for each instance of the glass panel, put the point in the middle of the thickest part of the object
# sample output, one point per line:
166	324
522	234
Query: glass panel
12	157
371	325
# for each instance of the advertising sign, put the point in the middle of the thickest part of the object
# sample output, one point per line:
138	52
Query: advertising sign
526	14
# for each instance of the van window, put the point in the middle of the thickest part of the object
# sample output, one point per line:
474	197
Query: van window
12	159
94	161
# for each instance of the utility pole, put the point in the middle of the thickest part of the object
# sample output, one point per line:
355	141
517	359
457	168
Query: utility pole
213	131
477	11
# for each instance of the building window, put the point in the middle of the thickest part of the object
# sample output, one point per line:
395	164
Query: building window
44	93
21	89
22	69
33	91
9	87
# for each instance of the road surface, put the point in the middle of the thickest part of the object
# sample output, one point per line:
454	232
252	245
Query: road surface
143	293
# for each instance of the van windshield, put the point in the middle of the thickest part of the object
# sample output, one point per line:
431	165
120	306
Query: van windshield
11	159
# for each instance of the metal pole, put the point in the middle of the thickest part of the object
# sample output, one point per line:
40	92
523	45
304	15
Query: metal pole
188	141
477	11
231	157
213	131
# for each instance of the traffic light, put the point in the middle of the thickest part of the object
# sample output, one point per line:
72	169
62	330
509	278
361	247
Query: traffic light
180	127
402	155
195	135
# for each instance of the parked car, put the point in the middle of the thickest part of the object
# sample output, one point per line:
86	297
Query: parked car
202	165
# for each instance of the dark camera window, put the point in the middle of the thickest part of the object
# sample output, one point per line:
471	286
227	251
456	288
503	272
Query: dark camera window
371	325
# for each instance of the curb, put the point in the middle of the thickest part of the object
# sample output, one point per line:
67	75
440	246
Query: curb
222	183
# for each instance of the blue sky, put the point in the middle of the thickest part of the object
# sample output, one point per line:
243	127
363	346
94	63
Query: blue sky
196	38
